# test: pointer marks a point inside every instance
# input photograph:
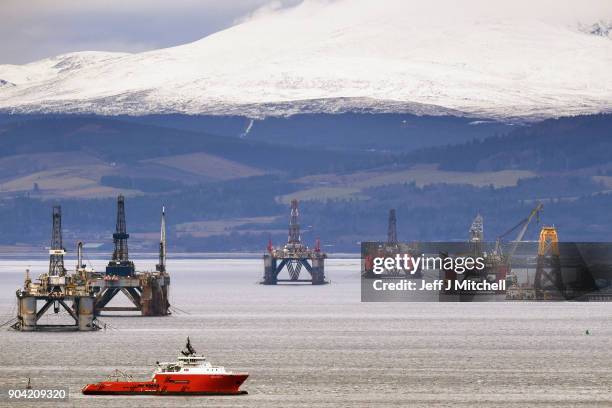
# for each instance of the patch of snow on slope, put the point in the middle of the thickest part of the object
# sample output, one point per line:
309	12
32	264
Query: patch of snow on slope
248	129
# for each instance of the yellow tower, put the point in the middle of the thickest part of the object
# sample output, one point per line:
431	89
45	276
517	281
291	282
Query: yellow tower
548	283
549	242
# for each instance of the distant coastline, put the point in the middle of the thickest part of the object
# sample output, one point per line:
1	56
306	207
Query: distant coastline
40	254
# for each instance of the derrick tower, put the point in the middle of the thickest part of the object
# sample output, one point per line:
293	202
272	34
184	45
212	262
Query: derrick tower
56	250
392	228
120	263
294	224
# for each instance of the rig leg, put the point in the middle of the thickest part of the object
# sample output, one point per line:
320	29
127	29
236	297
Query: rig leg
154	298
270	270
318	271
27	314
86	313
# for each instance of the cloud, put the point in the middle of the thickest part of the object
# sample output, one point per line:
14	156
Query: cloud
267	9
42	28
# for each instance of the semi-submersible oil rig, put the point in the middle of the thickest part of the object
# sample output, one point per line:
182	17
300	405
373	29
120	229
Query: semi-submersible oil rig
147	291
293	256
85	293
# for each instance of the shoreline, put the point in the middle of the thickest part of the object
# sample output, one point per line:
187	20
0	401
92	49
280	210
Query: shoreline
41	255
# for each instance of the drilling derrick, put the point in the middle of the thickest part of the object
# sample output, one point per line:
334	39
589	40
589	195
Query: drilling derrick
392	229
476	239
56	250
293	256
477	229
147	291
294	224
120	264
56	290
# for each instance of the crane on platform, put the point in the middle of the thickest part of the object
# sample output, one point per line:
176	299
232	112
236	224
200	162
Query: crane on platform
523	225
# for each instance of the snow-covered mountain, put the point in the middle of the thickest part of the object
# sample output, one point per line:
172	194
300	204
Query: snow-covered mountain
434	57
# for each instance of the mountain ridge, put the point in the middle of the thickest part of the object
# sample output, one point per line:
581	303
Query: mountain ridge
358	56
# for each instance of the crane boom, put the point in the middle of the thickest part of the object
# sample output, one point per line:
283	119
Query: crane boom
534	212
524	223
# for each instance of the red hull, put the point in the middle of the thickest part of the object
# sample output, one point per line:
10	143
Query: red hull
172	384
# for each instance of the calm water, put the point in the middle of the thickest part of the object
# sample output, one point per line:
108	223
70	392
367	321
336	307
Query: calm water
310	346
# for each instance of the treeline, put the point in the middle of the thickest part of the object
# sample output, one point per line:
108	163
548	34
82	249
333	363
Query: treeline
26	218
144	184
565	144
436	212
128	143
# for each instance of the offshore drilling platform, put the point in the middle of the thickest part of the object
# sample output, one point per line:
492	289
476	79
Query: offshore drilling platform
497	260
56	289
293	256
147	291
85	293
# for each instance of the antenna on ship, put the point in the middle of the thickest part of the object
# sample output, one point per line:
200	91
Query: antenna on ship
190	351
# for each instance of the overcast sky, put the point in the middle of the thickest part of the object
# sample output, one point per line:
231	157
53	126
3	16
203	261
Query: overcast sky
35	29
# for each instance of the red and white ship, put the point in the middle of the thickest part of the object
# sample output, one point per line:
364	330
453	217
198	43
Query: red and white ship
191	374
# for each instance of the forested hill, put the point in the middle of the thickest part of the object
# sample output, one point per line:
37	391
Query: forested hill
224	192
565	144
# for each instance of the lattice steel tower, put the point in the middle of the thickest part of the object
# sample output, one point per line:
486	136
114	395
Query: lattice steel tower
57	251
120	263
477	229
392	229
120	236
294	225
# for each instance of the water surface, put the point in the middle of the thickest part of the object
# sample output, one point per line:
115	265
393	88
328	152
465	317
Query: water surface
308	346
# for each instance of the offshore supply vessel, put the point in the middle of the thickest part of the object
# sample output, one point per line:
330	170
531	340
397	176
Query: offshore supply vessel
191	374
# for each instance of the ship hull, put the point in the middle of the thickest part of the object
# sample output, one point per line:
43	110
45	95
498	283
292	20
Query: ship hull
169	393
172	384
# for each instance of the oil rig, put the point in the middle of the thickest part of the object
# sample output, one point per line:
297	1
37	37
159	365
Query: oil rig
293	256
147	291
56	290
497	261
